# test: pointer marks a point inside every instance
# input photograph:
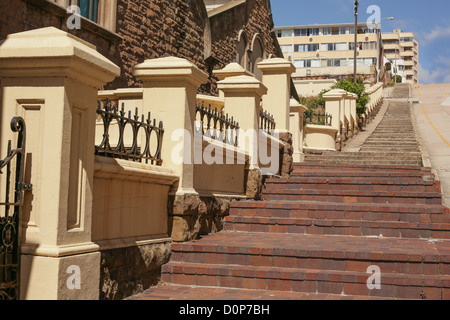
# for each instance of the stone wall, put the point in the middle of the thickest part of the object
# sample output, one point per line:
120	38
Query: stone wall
148	29
253	17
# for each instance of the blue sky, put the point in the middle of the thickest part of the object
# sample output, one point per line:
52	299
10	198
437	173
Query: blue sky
428	19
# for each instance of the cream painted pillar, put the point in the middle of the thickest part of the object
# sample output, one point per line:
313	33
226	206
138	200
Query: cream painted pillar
333	106
242	101
296	127
170	94
277	78
353	115
51	79
233	69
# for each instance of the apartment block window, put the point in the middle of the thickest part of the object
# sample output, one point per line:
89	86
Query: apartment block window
286	49
334	46
362	61
336	62
306	32
334	31
306	47
364	30
312	63
284	33
406	39
369	45
89	9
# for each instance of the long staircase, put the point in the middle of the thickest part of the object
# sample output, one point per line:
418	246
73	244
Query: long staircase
319	233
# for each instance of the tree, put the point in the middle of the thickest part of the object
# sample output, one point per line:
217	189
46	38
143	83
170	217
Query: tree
357	88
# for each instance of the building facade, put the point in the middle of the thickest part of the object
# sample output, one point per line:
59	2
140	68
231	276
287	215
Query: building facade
402	51
208	33
327	51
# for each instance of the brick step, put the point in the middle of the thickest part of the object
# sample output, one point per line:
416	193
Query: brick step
196	293
342	227
380	148
312	281
358	173
339	210
368	162
356	168
419	260
364	184
350	196
393	255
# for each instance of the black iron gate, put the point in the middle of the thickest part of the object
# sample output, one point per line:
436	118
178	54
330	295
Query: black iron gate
10	212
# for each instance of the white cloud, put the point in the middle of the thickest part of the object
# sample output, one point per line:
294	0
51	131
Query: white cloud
440	73
437	34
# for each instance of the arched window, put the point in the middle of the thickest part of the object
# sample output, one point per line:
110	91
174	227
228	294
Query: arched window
257	55
242	50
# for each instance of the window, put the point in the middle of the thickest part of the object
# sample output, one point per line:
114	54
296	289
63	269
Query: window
370	45
284	33
336	62
334	31
364	30
333	46
89	9
406	39
307	63
362	61
306	32
306	47
286	49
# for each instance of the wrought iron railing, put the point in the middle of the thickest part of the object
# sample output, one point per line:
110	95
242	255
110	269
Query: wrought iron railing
319	119
141	132
9	220
217	125
266	122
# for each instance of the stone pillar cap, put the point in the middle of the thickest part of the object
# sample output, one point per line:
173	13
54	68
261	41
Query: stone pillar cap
242	84
231	70
335	93
297	107
50	52
170	69
276	65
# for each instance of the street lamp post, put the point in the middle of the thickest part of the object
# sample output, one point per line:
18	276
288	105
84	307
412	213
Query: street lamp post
356	41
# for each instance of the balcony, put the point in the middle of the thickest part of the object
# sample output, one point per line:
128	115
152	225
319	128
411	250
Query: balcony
407	54
407	44
391	47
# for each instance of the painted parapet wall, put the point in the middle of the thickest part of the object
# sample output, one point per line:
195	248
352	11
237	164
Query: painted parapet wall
130	224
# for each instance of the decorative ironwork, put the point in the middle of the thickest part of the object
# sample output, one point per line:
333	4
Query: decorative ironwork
267	122
217	125
9	222
143	132
319	119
